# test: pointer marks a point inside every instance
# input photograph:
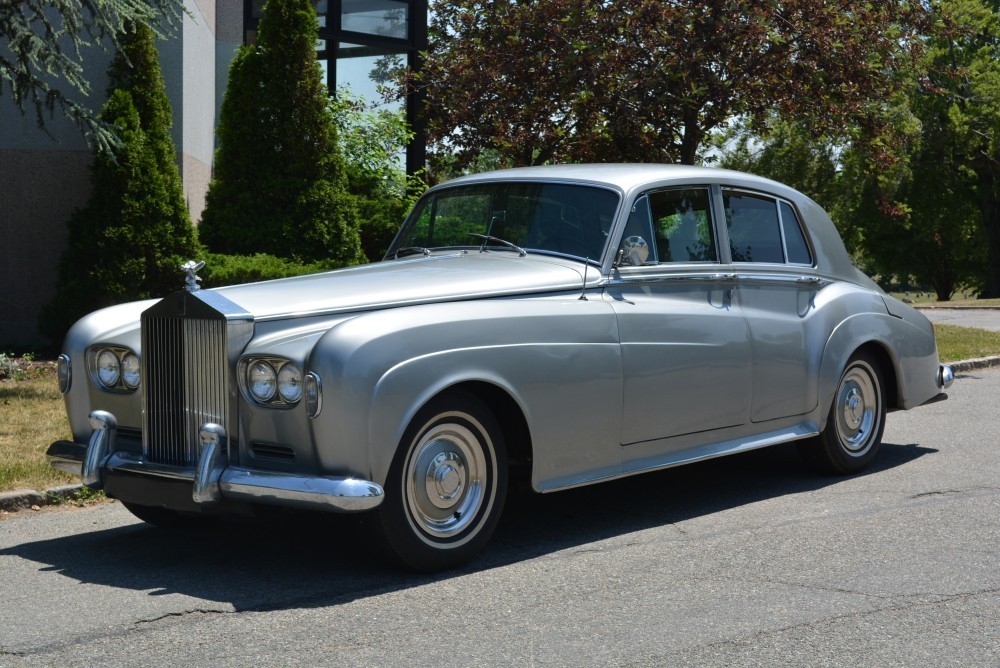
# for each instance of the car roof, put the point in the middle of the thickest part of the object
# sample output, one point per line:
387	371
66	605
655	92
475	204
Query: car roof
625	176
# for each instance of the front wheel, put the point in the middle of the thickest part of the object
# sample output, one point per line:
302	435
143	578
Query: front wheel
853	432
447	484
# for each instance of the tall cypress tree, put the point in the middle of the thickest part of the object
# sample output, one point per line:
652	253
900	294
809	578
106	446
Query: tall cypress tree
279	184
134	232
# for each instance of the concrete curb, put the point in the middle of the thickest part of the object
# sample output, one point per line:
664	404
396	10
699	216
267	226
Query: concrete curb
978	363
19	499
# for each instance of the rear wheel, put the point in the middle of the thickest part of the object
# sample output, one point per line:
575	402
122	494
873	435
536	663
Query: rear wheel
447	484
853	432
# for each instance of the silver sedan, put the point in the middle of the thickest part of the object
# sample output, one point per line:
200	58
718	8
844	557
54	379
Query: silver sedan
559	326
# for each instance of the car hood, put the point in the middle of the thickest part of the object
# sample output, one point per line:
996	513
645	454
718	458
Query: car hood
404	282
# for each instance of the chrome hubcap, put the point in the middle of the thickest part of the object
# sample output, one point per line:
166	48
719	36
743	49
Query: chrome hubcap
445	480
859	412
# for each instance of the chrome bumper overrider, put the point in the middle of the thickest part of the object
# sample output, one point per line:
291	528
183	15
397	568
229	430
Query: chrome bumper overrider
213	480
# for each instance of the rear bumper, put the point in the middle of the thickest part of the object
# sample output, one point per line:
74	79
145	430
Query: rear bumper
212	482
945	376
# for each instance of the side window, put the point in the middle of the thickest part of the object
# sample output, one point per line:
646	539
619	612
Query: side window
754	232
682	223
638	235
795	242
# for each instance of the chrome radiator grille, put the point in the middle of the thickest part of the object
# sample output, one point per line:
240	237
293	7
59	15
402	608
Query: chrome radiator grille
190	341
185	378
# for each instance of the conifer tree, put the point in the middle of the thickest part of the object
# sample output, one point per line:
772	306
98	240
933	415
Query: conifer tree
134	232
42	65
279	185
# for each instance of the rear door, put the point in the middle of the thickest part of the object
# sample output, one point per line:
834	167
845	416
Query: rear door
776	288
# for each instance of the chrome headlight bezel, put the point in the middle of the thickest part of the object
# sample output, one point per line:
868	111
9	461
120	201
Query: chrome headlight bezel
64	371
107	369
286	380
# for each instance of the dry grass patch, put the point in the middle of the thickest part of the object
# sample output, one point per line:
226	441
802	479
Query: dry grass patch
964	343
32	416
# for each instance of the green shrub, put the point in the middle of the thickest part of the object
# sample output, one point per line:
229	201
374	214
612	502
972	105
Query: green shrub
223	270
134	232
279	185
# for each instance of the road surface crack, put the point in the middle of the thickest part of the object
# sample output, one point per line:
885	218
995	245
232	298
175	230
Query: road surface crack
184	613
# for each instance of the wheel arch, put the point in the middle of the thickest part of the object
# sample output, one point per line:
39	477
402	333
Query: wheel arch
513	424
888	368
854	335
491	390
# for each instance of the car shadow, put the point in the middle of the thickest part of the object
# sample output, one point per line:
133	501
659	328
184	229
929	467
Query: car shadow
306	560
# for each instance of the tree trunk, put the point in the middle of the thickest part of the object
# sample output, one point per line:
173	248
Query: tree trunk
990	205
691	140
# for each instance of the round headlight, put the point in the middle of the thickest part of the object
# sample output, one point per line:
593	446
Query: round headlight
108	368
290	383
130	370
262	381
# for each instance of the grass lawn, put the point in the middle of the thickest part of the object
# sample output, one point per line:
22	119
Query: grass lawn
32	414
31	417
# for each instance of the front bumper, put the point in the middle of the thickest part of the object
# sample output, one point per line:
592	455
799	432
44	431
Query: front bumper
214	480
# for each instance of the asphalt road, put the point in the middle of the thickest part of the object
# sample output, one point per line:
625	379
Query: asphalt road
744	561
979	318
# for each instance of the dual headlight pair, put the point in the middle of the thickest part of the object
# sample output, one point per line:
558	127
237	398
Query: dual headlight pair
114	369
275	381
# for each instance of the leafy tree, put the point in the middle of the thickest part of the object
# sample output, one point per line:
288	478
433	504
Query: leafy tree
279	185
558	80
961	101
44	40
935	215
371	138
789	153
915	219
134	232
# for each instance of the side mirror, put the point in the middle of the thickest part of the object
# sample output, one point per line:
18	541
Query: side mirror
634	251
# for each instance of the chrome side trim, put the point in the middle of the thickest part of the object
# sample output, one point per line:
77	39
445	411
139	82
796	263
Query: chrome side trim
796	432
781	279
701	277
212	481
722	277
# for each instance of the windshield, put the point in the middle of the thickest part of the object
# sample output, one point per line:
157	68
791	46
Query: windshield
552	217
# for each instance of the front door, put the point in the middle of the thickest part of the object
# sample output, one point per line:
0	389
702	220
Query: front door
685	344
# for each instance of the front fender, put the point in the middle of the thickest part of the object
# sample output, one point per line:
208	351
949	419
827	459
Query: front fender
555	356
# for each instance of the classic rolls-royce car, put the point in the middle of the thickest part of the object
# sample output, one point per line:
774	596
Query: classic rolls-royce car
561	325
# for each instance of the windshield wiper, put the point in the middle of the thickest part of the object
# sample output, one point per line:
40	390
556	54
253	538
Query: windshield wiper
489	237
410	250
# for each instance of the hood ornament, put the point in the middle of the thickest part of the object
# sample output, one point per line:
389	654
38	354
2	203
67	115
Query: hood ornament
190	268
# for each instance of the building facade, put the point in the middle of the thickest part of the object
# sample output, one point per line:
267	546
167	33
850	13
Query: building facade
44	176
